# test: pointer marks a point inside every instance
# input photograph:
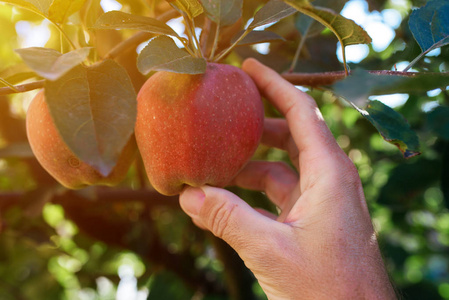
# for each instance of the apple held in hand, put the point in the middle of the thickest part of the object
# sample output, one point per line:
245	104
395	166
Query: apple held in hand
197	129
58	160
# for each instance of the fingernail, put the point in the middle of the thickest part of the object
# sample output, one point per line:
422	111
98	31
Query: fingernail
192	200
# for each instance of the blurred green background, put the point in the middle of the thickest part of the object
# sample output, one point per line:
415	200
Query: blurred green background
128	242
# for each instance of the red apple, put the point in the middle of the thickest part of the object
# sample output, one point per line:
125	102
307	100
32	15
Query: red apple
55	157
197	129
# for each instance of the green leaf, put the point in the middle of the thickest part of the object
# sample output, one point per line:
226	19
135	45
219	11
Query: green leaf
273	11
305	23
438	121
94	109
223	12
121	20
41	6
192	8
392	126
430	26
162	54
60	10
50	63
256	37
346	30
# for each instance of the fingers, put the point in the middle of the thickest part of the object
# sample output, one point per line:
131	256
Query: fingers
306	123
277	134
228	217
276	179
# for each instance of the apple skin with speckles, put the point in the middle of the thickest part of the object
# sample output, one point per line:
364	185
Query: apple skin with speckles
197	129
59	161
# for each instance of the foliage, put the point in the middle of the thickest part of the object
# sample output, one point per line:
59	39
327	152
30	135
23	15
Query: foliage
86	244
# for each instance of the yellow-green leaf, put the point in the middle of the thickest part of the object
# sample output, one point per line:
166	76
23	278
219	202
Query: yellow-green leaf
40	6
192	8
50	63
223	12
162	54
346	30
121	20
60	10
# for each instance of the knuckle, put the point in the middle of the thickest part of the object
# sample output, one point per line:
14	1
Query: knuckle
219	218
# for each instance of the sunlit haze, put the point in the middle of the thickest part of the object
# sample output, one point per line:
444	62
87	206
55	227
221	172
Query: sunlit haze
380	26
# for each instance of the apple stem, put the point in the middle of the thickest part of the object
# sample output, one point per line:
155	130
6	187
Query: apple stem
186	46
192	36
197	42
229	49
204	38
214	47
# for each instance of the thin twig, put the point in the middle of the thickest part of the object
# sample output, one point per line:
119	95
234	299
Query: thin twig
22	88
192	36
298	51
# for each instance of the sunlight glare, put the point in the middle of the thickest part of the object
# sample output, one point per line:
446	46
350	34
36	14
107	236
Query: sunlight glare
31	35
393	100
109	5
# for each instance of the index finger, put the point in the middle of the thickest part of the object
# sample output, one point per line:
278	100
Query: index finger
307	126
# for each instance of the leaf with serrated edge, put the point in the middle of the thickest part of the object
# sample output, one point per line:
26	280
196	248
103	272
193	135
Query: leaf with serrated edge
162	54
271	12
50	63
392	126
60	10
305	23
256	37
40	6
192	8
223	12
94	109
346	30
121	20
430	27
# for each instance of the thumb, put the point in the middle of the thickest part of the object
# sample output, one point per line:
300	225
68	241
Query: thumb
227	217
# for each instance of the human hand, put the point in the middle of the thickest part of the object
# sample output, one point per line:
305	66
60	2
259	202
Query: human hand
322	245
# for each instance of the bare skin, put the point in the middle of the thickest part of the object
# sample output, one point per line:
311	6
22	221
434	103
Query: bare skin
322	245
